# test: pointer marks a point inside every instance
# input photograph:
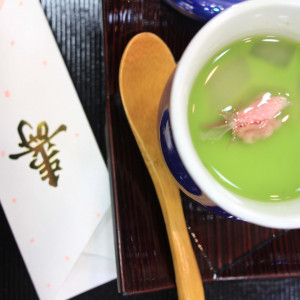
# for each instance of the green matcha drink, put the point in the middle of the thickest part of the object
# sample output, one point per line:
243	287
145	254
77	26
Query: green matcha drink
268	168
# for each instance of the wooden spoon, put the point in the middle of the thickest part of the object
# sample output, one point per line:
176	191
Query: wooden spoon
146	65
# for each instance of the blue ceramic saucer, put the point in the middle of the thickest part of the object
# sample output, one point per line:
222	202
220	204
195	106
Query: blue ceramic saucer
202	10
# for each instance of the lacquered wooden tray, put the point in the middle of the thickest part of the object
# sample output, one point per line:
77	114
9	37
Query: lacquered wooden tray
225	249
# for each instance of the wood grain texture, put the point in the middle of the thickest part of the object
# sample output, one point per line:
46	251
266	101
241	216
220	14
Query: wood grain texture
225	249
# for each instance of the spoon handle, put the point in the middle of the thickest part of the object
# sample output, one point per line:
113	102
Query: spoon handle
188	278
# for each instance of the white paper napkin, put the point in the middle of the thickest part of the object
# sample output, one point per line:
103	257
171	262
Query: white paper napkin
53	182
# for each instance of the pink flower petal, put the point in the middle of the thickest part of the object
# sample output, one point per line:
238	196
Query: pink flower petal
258	120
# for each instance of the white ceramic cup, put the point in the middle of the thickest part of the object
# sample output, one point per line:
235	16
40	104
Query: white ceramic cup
249	18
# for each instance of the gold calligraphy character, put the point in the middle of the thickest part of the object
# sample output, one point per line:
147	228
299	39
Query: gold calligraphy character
40	145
